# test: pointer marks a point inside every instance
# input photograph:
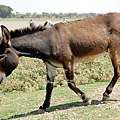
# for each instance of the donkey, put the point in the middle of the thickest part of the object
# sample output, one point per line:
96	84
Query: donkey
62	45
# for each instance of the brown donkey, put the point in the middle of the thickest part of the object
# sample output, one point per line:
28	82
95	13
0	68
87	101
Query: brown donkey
62	45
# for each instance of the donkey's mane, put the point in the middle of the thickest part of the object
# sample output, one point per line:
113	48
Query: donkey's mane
24	31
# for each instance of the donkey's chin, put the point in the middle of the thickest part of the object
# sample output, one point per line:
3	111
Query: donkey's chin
2	77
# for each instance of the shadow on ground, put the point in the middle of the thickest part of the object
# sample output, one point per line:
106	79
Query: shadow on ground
58	107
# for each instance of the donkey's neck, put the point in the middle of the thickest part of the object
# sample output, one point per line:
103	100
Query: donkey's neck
33	45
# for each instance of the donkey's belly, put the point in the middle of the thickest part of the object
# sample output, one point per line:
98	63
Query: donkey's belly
57	64
87	58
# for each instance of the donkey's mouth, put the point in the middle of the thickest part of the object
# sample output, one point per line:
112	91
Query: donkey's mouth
1	80
2	77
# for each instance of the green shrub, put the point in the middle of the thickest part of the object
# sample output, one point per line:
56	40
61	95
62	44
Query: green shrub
31	74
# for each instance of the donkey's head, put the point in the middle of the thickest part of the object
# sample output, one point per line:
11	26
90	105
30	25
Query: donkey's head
8	56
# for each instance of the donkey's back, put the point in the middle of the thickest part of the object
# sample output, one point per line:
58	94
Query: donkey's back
86	39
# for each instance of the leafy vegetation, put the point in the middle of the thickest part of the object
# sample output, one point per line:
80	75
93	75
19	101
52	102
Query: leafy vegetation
30	74
5	11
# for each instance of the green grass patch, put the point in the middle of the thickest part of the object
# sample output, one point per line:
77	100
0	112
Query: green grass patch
65	105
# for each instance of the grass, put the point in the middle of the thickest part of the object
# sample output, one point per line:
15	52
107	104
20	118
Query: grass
65	105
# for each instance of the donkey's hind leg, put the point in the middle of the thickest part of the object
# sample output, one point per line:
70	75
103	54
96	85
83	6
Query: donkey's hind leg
115	58
70	80
51	73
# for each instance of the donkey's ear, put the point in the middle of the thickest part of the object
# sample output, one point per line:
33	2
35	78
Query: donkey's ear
5	34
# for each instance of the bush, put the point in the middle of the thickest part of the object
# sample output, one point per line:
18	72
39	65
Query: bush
31	74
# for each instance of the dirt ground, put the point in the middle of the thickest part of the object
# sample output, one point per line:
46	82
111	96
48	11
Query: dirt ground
113	103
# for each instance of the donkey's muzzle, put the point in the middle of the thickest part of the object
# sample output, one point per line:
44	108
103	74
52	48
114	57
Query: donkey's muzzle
2	77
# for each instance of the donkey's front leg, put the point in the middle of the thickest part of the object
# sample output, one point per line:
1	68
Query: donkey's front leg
51	73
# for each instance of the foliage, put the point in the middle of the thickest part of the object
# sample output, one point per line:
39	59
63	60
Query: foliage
5	11
54	15
31	74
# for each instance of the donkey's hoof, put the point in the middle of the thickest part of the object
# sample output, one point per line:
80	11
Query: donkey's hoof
106	98
87	102
41	111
